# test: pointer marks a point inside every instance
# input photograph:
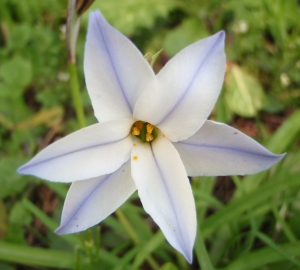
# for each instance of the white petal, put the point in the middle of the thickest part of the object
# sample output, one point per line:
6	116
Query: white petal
218	149
90	201
165	191
115	71
87	153
186	89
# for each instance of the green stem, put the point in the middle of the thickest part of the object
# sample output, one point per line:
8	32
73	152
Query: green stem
76	94
202	253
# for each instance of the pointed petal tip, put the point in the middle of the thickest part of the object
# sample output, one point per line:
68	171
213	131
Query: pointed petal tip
222	33
61	230
279	157
19	170
22	169
220	36
95	16
58	231
96	13
189	257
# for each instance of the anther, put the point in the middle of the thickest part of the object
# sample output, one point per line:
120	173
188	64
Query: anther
138	125
149	137
136	131
150	128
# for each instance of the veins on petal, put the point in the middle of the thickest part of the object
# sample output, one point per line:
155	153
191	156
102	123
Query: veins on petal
185	92
224	148
170	199
71	152
59	229
113	66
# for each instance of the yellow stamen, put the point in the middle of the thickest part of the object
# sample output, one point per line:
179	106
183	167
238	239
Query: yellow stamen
149	137
135	157
135	131
138	124
150	128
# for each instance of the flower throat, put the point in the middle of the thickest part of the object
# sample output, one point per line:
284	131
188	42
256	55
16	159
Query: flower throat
145	131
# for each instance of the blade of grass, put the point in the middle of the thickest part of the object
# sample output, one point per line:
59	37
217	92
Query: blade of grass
33	256
201	252
157	240
286	135
286	229
48	222
263	256
203	192
61	189
276	248
280	142
71	238
238	205
125	222
127	258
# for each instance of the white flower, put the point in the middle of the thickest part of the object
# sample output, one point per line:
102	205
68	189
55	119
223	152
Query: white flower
127	96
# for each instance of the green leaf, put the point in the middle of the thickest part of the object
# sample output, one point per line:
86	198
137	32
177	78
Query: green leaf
16	73
36	256
168	266
128	15
189	31
244	93
10	181
19	214
6	267
273	105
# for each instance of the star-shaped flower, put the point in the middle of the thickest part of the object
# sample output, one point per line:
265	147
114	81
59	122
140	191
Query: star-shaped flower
152	134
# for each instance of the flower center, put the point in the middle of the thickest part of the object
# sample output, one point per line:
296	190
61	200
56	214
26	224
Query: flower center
145	131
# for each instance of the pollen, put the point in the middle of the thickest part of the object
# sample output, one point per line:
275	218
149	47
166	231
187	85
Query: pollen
145	131
149	137
135	158
149	128
136	131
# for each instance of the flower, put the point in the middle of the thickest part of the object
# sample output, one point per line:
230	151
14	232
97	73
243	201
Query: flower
153	133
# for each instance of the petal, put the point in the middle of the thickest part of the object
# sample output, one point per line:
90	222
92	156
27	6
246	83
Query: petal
186	89
87	153
115	71
165	192
218	149
90	201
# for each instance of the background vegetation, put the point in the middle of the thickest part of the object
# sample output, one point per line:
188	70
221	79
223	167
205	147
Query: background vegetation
248	222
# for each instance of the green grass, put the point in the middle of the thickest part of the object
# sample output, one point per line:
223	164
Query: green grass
253	223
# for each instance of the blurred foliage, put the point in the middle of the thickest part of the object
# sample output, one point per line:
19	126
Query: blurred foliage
257	229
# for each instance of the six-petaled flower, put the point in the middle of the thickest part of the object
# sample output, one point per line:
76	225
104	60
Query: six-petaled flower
152	134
